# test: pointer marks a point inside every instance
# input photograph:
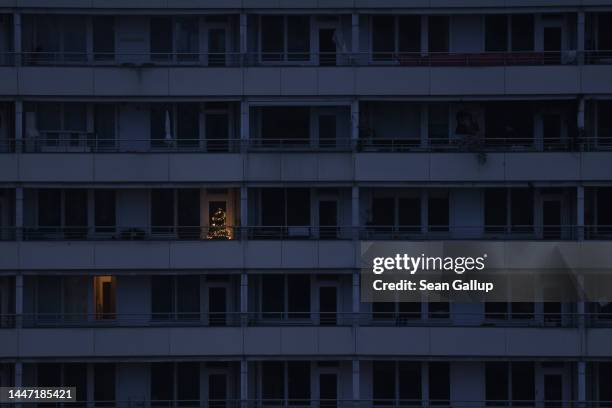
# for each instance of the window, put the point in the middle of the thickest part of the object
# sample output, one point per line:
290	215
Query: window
438	212
298	382
396	382
438	34
104	125
285	38
105	210
438	123
496	208
105	297
63	211
496	33
523	383
522	210
395	35
161	38
64	375
104	384
56	38
604	122
188	124
496	383
162	133
286	207
439	383
285	295
175	297
272	381
187	39
605	379
162	210
61	298
285	125
522	32
383	382
508	123
103	38
383	37
188	213
62	123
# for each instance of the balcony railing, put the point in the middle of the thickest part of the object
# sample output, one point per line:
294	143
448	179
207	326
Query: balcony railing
84	142
370	232
324	59
307	319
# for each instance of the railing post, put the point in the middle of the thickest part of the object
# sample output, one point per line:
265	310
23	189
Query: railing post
244	386
243	57
355	46
243	233
18	126
356	391
580	37
17	38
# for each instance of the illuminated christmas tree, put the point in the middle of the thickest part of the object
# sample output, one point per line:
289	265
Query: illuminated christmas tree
218	229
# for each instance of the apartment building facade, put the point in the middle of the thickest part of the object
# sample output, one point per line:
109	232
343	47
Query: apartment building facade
185	186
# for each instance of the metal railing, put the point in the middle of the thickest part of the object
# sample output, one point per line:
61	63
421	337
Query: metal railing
369	232
307	319
84	142
323	59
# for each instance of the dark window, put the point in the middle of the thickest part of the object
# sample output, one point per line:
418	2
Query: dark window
273	207
438	34
273	295
272	35
439	383
161	38
604	204
604	122
273	381
162	383
188	297
383	212
104	37
162	207
496	209
187	38
605	379
509	123
75	212
285	125
187	124
298	37
383	37
49	375
523	383
522	310
409	213
522	32
161	125
383	382
438	123
298	295
496	34
188	384
439	310
605	31
49	207
188	213
105	210
104	383
496	310
298	382
409	381
521	209
496	383
409	33
75	375
104	125
298	206
438	213
162	296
